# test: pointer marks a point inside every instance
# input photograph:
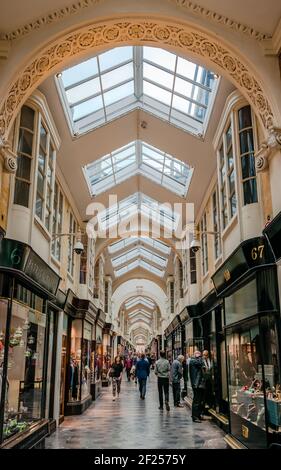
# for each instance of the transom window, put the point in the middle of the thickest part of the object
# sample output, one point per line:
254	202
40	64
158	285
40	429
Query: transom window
138	158
125	78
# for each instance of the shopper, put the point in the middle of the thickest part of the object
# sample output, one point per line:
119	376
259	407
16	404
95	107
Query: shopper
208	375
142	372
162	371
116	375
176	376
128	367
197	379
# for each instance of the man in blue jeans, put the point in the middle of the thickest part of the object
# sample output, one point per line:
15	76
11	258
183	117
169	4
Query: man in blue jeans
142	372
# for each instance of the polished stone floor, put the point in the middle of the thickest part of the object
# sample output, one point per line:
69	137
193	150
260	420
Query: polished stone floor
132	423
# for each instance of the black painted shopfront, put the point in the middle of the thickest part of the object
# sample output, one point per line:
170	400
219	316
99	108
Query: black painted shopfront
80	349
247	283
28	321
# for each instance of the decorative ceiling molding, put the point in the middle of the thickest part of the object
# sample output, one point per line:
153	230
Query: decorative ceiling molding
184	39
52	17
221	19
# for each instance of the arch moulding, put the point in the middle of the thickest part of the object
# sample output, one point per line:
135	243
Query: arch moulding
180	37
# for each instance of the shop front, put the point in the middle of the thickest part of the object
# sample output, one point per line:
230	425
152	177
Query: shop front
168	343
80	354
247	284
98	348
28	288
107	352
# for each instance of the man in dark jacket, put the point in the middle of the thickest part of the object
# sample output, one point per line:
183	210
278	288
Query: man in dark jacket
176	376
197	379
142	372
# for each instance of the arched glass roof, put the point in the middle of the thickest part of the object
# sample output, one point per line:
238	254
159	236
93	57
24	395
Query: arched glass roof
138	157
122	79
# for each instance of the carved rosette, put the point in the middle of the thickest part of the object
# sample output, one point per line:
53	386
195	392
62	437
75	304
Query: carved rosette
268	147
10	159
132	32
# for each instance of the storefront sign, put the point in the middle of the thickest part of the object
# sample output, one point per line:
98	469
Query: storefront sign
273	234
249	255
17	256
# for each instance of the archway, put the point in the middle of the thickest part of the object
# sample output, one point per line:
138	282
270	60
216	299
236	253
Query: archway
182	38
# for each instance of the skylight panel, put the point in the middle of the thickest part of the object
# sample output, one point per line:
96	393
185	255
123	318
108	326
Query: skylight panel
125	78
139	263
139	252
139	300
121	244
138	158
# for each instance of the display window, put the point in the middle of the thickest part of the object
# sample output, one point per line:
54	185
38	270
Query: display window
75	361
86	360
24	399
63	363
254	380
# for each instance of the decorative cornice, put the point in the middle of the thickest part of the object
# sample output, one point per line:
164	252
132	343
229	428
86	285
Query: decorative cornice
268	147
52	17
221	19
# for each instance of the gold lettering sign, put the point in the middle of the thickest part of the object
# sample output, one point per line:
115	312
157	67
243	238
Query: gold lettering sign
257	252
245	432
227	275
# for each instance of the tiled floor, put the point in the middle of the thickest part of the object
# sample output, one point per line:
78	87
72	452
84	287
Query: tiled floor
132	423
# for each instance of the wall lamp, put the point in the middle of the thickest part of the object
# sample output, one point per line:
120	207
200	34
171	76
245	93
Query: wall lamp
195	245
78	245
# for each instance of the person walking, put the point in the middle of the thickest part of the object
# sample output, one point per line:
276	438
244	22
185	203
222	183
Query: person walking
116	375
142	372
128	367
197	379
176	376
162	371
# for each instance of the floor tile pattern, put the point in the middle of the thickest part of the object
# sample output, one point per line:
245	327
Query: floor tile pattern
132	423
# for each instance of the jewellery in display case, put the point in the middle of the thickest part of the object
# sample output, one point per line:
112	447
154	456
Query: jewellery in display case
2	335
31	340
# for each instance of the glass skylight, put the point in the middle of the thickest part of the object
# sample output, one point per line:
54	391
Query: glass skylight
124	243
125	78
139	300
138	203
138	158
140	313
139	263
139	252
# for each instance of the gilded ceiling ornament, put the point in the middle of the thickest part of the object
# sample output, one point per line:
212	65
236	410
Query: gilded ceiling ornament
184	39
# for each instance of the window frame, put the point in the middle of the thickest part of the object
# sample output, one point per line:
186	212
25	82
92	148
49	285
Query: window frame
204	244
57	226
49	142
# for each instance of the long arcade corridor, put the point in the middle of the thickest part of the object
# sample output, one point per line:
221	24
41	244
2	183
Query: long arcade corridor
135	424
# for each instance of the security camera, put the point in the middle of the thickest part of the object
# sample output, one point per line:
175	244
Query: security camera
195	245
78	247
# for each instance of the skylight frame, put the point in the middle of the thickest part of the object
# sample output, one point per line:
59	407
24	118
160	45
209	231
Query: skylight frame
130	240
142	253
138	263
139	300
136	96
138	154
135	204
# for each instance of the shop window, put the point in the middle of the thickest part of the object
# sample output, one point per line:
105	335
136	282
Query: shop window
57	222
216	227
25	153
71	239
45	177
247	151
242	304
24	397
180	279
63	364
192	263
86	360
204	243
